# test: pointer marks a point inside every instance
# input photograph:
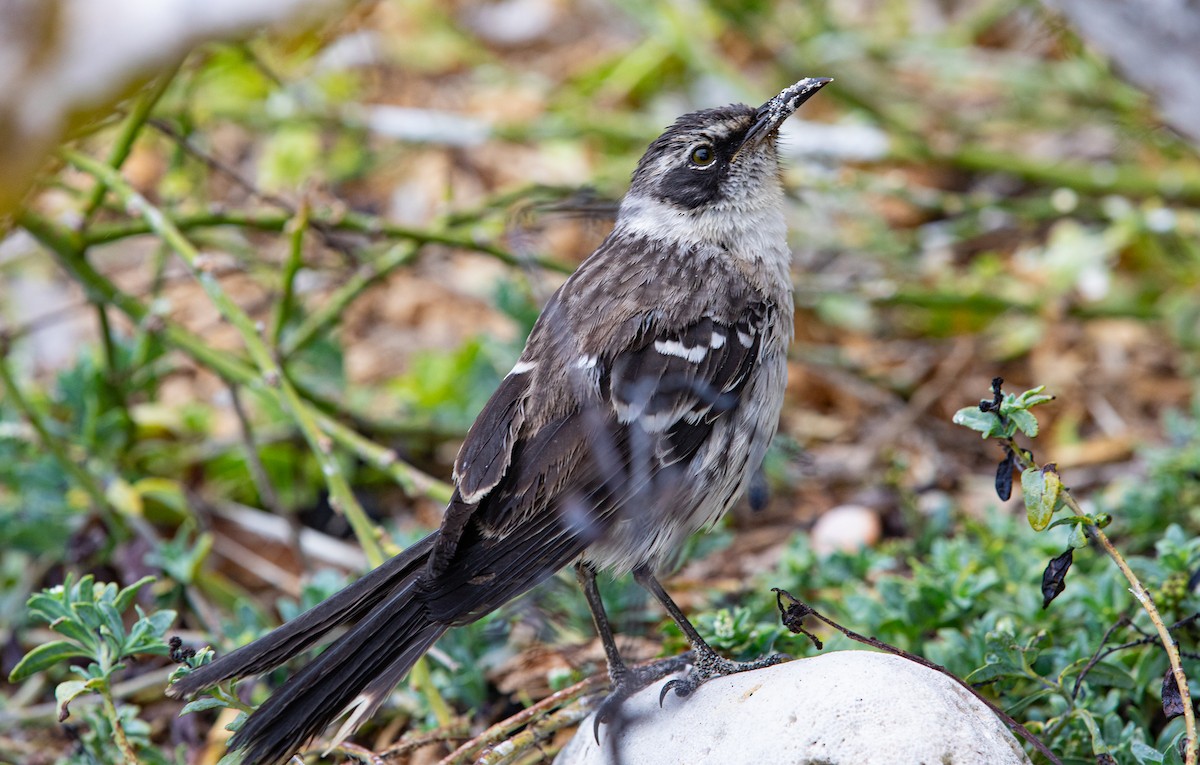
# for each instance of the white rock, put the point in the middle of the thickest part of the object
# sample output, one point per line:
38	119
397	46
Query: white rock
840	708
846	528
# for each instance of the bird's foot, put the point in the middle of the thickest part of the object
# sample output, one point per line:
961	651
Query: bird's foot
707	664
627	681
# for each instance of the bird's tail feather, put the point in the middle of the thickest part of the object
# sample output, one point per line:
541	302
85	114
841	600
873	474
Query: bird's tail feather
352	678
301	633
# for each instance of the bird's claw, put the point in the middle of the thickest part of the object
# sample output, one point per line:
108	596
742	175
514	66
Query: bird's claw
662	694
697	667
628	681
705	667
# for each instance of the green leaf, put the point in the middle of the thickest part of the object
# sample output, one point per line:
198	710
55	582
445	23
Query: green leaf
1144	754
199	705
994	670
146	635
235	726
77	631
165	492
1078	538
231	758
1033	397
43	657
161	621
972	417
1111	675
125	597
1072	519
88	615
1052	490
48	605
1089	721
1029	699
122	496
1025	422
1033	487
114	625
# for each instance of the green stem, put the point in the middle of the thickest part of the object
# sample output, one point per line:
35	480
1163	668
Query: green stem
911	145
297	228
1127	180
127	135
356	222
110	711
67	247
422	682
111	380
315	322
990	304
413	481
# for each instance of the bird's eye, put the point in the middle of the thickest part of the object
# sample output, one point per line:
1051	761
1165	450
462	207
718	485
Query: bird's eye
703	155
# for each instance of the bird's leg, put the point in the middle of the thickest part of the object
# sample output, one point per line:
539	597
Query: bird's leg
706	663
625	680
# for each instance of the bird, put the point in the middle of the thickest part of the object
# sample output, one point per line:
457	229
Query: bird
641	406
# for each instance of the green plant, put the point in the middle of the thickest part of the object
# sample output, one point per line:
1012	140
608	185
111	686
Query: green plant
90	616
1001	418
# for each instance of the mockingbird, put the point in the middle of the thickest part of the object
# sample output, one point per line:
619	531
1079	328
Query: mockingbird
644	400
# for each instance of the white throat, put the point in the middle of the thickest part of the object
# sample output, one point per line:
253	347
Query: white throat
753	233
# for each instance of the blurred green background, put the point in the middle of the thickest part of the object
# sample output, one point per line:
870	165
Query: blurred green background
354	223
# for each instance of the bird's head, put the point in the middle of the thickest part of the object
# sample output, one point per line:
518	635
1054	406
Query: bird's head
719	160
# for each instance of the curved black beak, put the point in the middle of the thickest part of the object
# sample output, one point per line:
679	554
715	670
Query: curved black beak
772	114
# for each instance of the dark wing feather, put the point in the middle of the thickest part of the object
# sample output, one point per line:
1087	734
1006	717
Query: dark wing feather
678	382
496	557
485	452
553	489
482	463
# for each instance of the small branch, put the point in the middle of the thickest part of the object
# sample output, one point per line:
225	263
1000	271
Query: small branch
409	744
114	717
128	133
335	306
67	247
1168	641
511	752
262	480
283	308
258	471
1101	653
355	222
1025	461
503	730
216	165
341	496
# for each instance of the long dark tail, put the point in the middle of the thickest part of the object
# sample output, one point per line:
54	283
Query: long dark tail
352	677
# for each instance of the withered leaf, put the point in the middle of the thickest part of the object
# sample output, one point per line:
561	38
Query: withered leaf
1054	578
1172	699
1004	477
